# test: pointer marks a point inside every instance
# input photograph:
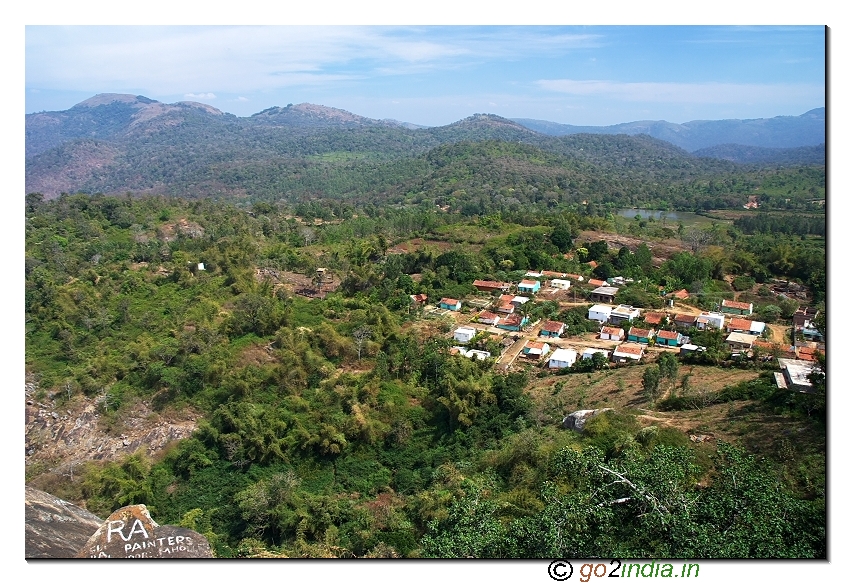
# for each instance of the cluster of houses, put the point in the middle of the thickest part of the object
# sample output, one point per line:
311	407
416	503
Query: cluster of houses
744	336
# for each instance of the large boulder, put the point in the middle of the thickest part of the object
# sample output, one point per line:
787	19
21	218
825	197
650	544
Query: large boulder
55	529
131	533
577	419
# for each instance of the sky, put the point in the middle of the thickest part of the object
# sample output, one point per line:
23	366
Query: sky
436	75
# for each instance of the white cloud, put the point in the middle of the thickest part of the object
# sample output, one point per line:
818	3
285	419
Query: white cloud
171	60
199	96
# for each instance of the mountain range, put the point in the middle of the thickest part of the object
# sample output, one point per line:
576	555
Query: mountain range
114	143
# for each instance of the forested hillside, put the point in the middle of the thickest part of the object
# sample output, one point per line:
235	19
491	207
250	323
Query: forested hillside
114	144
334	417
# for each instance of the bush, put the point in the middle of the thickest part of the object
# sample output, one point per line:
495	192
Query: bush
743	283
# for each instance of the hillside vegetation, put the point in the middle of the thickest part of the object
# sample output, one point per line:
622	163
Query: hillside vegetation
336	421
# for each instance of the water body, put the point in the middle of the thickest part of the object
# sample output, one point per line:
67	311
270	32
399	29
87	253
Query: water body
672	217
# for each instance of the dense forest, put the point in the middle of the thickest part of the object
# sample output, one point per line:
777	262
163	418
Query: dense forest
359	433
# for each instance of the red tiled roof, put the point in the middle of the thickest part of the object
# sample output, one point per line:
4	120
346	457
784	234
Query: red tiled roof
738	324
556	327
537	345
629	349
682	294
612	331
419	297
512	320
668	335
688	318
449	301
736	305
593	264
653	318
640	332
552	274
487	316
572	276
528	283
596	282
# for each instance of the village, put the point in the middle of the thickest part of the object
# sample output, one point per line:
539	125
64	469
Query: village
626	334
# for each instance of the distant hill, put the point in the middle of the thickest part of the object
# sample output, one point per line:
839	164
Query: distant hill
808	129
115	143
755	155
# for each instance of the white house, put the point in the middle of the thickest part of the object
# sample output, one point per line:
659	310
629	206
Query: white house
479	354
560	283
623	313
589	352
599	312
464	334
612	333
563	358
710	319
627	351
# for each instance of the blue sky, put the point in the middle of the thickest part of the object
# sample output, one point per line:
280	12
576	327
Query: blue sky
435	75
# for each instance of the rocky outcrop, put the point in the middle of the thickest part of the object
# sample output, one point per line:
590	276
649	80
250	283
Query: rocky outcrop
577	419
55	529
64	437
131	533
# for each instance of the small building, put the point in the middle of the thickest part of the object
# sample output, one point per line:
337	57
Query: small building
745	326
418	299
603	294
560	283
682	294
464	334
738	341
710	320
804	317
535	350
732	307
612	333
794	375
807	353
599	312
684	321
589	352
668	338
488	318
552	329
687	349
491	286
574	276
627	352
563	358
596	282
506	305
553	274
518	301
641	335
449	304
512	322
533	274
655	318
528	286
471	353
811	333
623	313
